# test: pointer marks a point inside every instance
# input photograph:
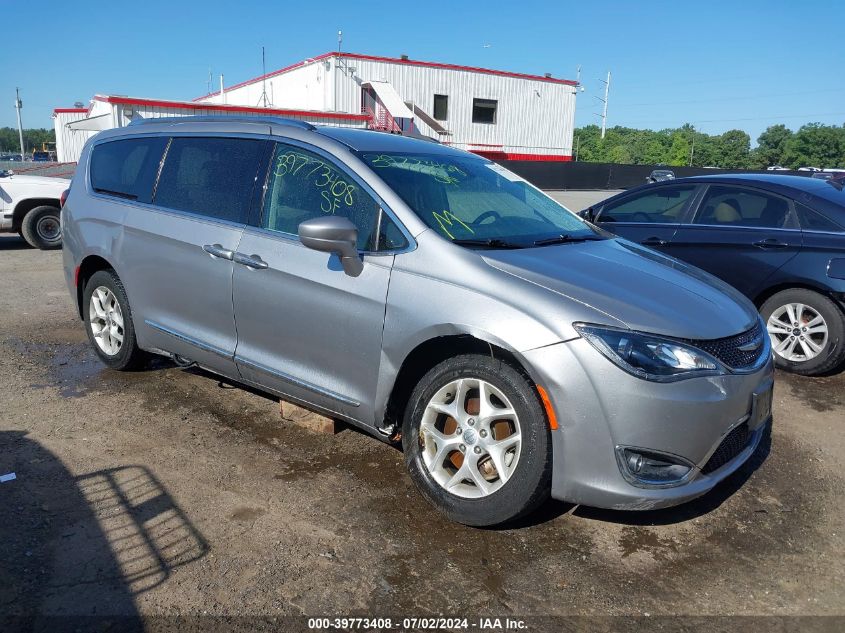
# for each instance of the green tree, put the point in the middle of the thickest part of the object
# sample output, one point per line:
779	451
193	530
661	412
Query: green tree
771	145
32	138
734	148
679	150
815	145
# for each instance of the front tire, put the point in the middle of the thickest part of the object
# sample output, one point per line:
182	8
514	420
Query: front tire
476	441
807	331
42	229
108	322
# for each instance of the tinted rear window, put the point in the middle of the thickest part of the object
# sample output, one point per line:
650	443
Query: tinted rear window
125	168
210	176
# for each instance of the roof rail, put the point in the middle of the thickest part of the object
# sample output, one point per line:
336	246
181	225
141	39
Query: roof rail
305	125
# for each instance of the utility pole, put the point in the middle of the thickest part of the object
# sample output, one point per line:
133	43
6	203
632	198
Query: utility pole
692	148
18	106
263	79
604	109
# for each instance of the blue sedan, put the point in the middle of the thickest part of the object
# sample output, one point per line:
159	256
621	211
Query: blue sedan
778	239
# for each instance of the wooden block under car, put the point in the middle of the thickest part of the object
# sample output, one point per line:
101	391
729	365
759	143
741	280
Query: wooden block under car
308	419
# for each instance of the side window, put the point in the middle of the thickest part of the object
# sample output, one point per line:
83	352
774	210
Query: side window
126	168
663	205
813	221
304	185
724	205
213	177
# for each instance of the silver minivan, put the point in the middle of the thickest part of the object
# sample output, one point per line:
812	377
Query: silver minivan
425	295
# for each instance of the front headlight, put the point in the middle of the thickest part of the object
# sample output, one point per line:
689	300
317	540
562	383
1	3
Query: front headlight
649	356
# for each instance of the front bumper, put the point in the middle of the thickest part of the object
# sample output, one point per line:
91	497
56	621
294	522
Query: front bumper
600	407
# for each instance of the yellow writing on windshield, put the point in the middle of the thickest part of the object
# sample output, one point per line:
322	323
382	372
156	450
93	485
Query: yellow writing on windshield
447	218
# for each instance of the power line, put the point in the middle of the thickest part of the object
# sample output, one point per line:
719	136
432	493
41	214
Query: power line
758	118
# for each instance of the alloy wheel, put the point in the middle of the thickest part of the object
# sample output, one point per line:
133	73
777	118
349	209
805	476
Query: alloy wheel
470	438
106	319
799	332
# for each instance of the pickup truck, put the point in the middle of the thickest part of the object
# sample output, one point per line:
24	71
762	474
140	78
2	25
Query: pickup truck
30	205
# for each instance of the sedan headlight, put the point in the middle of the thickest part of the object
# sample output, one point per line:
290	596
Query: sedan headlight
649	356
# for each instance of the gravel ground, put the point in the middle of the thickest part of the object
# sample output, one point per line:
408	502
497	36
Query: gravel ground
168	492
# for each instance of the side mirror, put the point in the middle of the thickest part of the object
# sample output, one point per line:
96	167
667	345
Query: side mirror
333	234
587	214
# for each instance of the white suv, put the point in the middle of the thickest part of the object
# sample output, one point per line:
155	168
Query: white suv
30	205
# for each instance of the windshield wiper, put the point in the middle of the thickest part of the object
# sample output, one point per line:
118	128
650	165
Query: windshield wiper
488	243
568	239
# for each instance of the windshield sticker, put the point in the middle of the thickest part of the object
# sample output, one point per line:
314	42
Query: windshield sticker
334	191
441	172
504	173
448	218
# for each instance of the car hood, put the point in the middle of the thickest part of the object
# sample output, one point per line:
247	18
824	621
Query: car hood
633	286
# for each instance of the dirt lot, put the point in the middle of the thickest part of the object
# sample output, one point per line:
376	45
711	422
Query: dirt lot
169	492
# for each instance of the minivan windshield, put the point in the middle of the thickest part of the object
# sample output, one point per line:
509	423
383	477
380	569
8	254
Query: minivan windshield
477	203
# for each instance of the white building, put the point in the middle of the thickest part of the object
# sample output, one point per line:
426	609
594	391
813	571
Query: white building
497	114
74	126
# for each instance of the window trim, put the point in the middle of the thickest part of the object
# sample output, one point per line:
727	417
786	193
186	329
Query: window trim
495	111
795	225
434	107
344	169
690	204
818	213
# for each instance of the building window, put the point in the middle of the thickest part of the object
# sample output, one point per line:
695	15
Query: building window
484	110
441	107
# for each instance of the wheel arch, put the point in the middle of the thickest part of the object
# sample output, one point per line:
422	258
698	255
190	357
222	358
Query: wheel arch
25	206
87	267
771	291
434	350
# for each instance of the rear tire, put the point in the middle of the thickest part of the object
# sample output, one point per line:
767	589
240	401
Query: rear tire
41	228
108	322
487	462
796	313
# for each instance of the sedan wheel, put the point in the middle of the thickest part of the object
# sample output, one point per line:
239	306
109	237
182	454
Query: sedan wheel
807	330
798	332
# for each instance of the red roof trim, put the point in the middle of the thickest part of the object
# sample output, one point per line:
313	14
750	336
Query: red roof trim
396	60
553	158
187	105
69	110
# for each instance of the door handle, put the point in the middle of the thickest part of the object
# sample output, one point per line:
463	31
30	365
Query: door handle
216	250
250	261
770	243
654	241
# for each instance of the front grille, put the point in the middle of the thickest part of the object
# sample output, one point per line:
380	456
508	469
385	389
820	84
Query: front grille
728	349
731	446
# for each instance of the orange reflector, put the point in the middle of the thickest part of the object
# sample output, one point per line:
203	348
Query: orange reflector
76	276
547	404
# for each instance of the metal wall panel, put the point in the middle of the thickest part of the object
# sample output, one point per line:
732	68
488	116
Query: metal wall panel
533	116
69	142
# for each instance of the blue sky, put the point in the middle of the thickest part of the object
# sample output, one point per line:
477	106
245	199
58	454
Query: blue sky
719	65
